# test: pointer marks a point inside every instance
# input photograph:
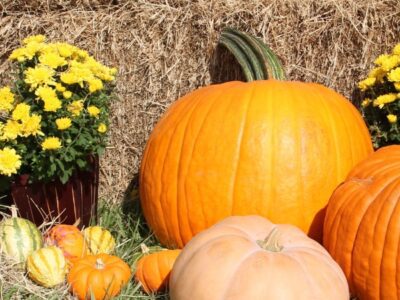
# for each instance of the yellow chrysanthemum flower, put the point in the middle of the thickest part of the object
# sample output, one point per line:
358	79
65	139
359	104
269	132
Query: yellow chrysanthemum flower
75	107
40	75
391	118
70	78
377	73
394	75
95	85
65	50
32	49
52	105
46	93
365	102
102	128
10	161
51	143
52	60
366	83
397	86
388	62
31	126
18	54
21	112
6	99
60	88
396	49
93	111
67	94
63	123
49	97
11	130
39	38
384	99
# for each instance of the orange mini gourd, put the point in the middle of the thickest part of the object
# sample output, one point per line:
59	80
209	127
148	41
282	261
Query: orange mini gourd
362	226
153	270
69	239
98	277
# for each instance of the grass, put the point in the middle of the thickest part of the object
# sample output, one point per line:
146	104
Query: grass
127	225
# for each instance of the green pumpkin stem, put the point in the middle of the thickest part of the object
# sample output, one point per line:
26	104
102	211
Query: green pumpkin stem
271	241
257	61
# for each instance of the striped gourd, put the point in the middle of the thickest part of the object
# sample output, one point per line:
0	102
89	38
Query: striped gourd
19	237
47	266
99	240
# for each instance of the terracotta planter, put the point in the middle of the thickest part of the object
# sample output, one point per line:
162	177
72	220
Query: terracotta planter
76	199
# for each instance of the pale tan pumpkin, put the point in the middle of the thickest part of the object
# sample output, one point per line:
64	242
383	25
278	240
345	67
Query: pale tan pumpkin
251	258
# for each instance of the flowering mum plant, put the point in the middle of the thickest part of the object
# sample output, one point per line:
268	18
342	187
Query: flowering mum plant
381	104
56	113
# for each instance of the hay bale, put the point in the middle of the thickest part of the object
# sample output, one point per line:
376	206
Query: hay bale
164	49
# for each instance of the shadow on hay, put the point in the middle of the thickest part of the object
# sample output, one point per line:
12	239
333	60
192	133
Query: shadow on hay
131	205
224	67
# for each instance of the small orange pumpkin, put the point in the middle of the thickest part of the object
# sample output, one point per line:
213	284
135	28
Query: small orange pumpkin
69	239
100	276
251	258
153	270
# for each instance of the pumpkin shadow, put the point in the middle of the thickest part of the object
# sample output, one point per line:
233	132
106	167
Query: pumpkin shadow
316	229
131	207
224	66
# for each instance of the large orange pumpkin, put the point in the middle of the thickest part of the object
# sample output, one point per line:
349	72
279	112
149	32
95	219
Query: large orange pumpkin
248	257
267	147
362	226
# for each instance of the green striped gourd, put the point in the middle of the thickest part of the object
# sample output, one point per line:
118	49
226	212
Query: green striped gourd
99	240
47	266
19	237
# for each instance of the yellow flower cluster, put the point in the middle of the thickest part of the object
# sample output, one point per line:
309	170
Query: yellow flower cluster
386	73
60	87
71	64
21	123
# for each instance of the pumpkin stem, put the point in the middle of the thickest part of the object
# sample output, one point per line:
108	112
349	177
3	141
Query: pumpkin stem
256	59
100	265
14	211
77	221
271	241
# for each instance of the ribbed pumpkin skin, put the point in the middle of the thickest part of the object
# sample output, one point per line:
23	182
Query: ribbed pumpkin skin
47	266
19	238
249	257
69	239
362	226
100	275
99	240
153	270
272	148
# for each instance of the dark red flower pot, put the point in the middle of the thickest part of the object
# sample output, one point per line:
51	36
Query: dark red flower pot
43	202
